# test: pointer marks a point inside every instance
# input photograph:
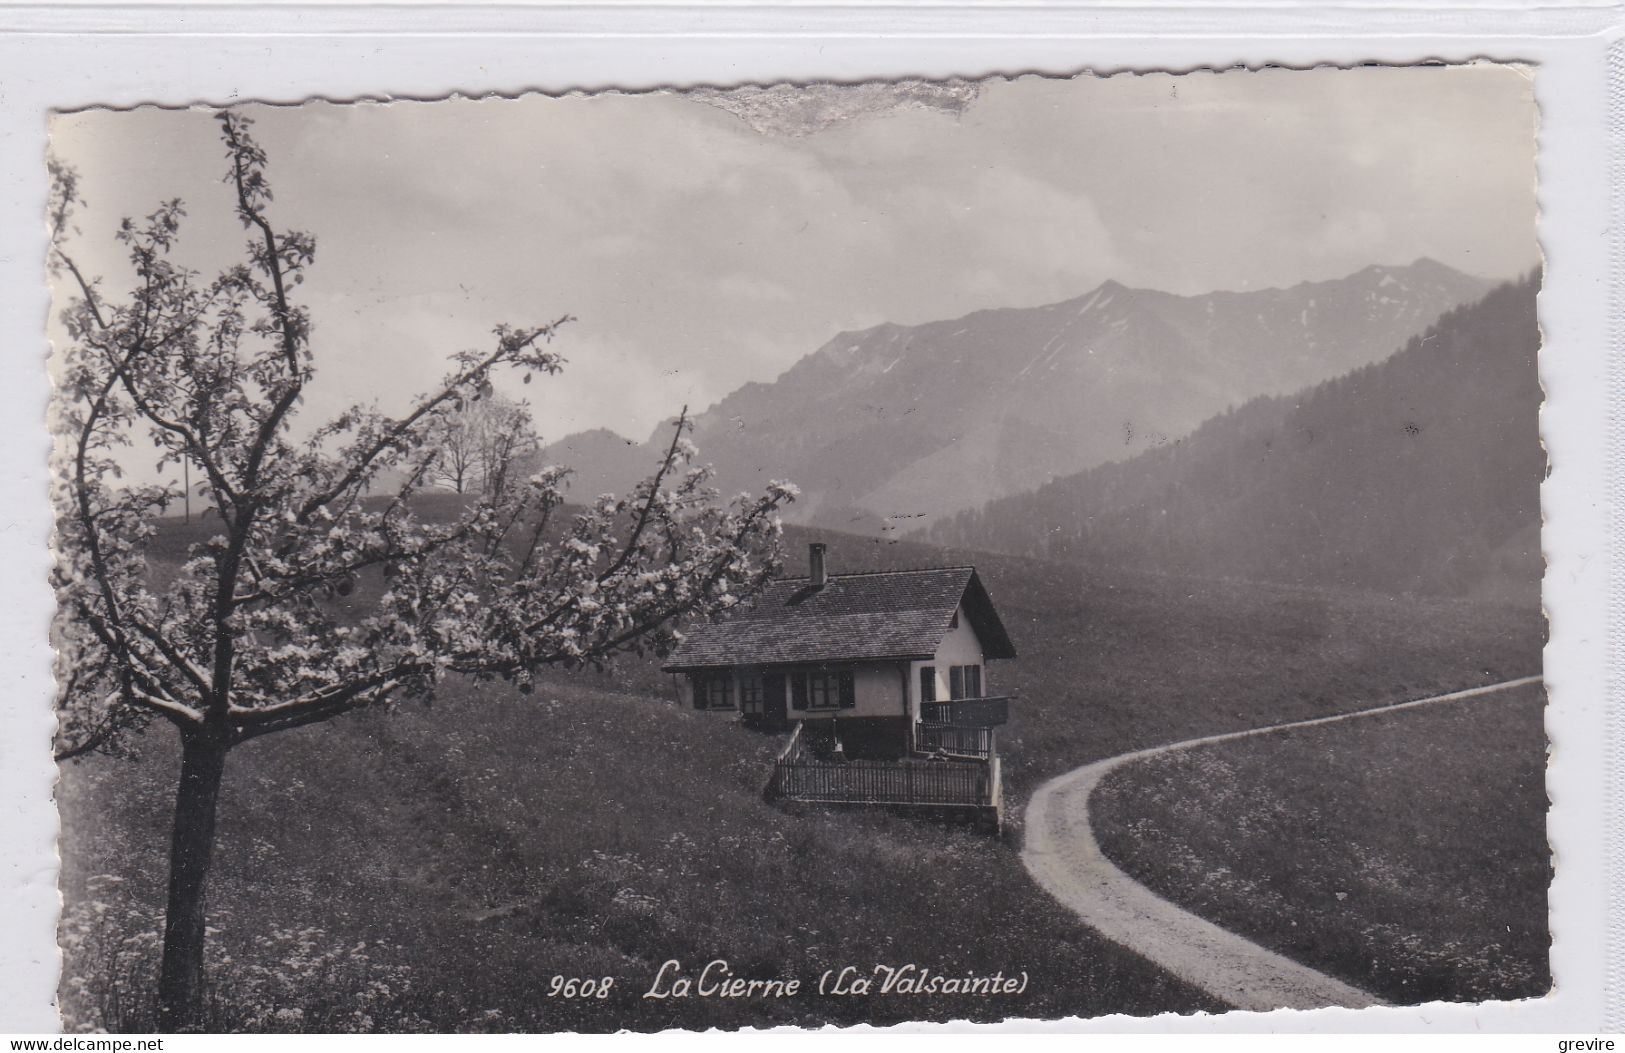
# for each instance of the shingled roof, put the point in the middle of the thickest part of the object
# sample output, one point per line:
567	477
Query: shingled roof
895	614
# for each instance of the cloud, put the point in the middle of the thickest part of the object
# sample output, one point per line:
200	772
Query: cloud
708	239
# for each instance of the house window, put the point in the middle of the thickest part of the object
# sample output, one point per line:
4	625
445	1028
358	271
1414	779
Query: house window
713	690
928	683
965	681
750	694
823	690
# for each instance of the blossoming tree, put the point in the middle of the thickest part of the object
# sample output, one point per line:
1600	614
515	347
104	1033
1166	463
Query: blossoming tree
244	638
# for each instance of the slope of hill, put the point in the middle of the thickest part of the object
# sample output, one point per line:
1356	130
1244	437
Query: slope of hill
1419	473
601	461
434	868
1426	849
897	422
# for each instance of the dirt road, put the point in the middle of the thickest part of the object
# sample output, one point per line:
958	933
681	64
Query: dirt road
1062	855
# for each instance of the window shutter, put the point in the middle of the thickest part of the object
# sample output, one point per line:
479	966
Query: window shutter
928	683
956	681
973	681
798	690
696	683
849	692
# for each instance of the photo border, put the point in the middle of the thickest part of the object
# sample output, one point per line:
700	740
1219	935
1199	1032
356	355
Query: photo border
76	55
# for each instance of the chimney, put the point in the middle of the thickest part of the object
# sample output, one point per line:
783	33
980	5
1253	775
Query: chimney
815	562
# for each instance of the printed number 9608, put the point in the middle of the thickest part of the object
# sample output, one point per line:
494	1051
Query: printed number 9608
569	987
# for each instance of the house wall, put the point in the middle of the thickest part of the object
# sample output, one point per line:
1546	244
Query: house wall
877	687
685	690
959	647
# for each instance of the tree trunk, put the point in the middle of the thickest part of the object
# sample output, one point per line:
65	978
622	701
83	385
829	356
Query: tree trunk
180	985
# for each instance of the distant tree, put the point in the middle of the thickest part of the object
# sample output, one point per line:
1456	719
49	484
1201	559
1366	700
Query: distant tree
480	440
240	640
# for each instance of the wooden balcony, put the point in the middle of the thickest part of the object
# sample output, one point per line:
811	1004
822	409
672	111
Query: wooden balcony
911	783
968	712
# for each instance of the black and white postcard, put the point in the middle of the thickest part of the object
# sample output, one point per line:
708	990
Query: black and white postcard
971	550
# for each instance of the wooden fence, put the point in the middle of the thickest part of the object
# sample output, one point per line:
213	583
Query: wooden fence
964	741
880	782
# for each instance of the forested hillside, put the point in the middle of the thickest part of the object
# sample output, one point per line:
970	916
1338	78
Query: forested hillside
1419	473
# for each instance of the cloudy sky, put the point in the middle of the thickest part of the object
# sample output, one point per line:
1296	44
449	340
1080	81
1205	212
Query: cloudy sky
703	242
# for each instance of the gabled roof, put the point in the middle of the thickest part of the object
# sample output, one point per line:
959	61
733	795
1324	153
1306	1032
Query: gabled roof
894	614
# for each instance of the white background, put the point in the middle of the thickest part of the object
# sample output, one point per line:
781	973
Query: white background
74	55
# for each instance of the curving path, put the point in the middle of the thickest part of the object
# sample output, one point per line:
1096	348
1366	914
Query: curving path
1062	855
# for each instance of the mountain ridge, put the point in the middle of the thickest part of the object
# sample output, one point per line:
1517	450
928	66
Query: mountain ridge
1417	473
893	423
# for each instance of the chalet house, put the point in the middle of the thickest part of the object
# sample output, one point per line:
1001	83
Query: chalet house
882	675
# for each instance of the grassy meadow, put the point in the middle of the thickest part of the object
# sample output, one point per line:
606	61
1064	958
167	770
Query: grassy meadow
433	868
1405	853
1111	662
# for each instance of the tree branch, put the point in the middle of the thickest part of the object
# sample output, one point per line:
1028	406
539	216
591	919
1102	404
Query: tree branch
312	709
649	502
362	462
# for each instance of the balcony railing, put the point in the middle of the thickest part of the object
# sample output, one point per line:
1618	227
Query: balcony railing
967	712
